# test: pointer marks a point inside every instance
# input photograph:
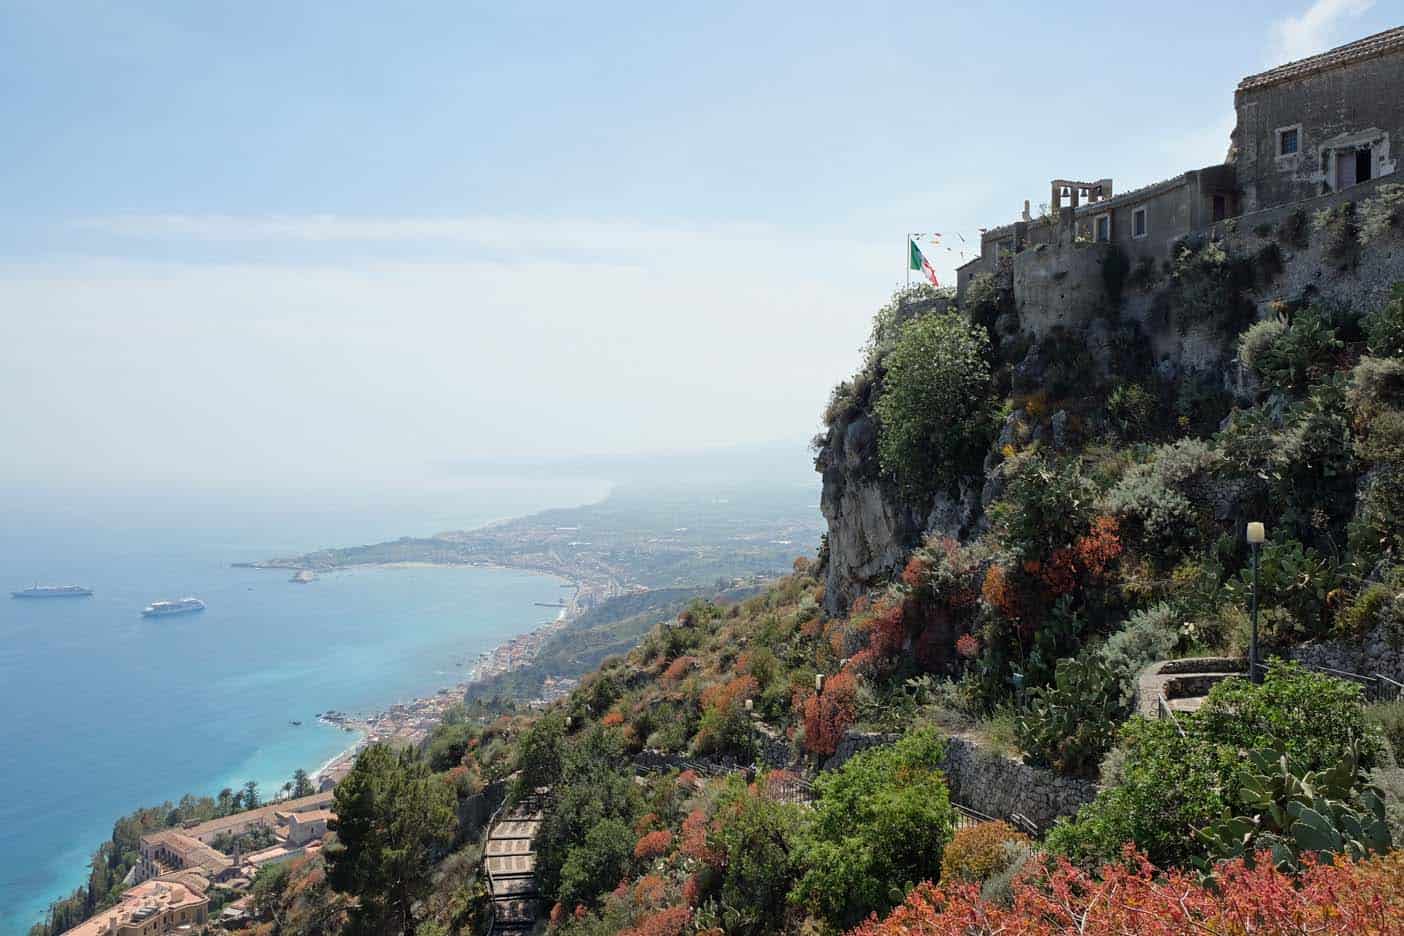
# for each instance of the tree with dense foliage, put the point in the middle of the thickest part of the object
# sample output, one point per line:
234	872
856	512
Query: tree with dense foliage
591	793
301	784
879	826
394	820
1180	777
540	754
935	410
753	837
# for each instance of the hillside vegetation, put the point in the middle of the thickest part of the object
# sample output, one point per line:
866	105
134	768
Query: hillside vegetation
1083	518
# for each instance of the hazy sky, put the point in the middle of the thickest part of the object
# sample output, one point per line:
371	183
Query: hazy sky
258	241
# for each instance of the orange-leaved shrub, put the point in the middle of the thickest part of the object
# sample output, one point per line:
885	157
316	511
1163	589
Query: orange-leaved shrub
1100	548
1344	897
653	844
827	715
679	668
670	922
977	851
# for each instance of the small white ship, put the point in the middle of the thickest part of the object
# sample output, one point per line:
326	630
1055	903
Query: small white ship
52	591
180	606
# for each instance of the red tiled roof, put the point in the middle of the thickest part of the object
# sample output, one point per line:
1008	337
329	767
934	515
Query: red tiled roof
1390	40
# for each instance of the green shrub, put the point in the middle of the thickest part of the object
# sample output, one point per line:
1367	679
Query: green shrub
1295	578
1361	615
1340	235
1295	229
935	413
1377	531
597	862
1258	338
1170	786
880	825
1131	409
1303	351
1069	725
1149	635
998	889
1384	328
1156	499
1047	503
1208	286
1388	719
1382	212
1384	441
756	838
1314	719
1172	783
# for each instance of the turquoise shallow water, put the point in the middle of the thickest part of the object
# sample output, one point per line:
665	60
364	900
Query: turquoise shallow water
103	711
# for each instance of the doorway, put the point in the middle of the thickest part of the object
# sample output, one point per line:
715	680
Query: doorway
1352	167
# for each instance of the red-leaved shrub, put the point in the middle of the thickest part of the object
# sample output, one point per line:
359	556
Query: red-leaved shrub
653	844
1344	897
829	714
670	922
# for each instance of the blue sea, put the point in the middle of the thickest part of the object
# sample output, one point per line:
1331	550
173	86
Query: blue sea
103	711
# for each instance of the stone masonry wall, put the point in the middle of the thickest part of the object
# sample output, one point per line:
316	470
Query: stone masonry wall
1331	108
1375	654
991	783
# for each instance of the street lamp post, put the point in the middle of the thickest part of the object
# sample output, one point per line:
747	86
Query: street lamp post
1256	535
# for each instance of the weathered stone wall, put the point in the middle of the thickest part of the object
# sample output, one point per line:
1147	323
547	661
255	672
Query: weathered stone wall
1362	280
991	783
474	811
1375	654
1334	108
1061	284
1001	787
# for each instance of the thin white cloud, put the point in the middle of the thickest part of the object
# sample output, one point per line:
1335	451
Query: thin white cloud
486	232
1315	30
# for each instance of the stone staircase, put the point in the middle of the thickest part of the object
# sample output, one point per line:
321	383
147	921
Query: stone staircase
509	858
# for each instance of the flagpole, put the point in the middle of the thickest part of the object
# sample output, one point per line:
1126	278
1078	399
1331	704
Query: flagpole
907	260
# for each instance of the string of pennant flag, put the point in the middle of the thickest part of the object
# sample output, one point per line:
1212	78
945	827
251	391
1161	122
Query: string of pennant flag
917	260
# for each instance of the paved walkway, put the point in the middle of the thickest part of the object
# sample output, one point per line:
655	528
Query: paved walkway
1182	683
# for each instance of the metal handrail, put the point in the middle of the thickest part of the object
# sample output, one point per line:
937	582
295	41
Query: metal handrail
1164	711
1378	687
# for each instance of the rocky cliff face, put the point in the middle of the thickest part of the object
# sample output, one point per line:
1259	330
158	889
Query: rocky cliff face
871	529
1065	331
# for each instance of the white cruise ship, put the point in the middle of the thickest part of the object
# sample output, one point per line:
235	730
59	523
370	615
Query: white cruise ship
180	606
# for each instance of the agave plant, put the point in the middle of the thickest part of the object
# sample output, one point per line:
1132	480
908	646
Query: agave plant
1289	811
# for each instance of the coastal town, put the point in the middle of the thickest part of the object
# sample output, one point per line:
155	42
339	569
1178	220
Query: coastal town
184	871
409	723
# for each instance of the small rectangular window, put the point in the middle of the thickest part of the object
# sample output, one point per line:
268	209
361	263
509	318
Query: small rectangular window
1220	207
1138	223
1287	142
1102	229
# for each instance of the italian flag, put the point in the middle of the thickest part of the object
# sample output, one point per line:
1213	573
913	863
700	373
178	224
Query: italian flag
917	261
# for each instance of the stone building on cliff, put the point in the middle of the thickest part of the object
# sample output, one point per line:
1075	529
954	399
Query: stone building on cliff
1160	280
1307	129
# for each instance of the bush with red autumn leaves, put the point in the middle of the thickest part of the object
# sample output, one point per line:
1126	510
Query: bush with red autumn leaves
828	714
653	844
1343	897
672	921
